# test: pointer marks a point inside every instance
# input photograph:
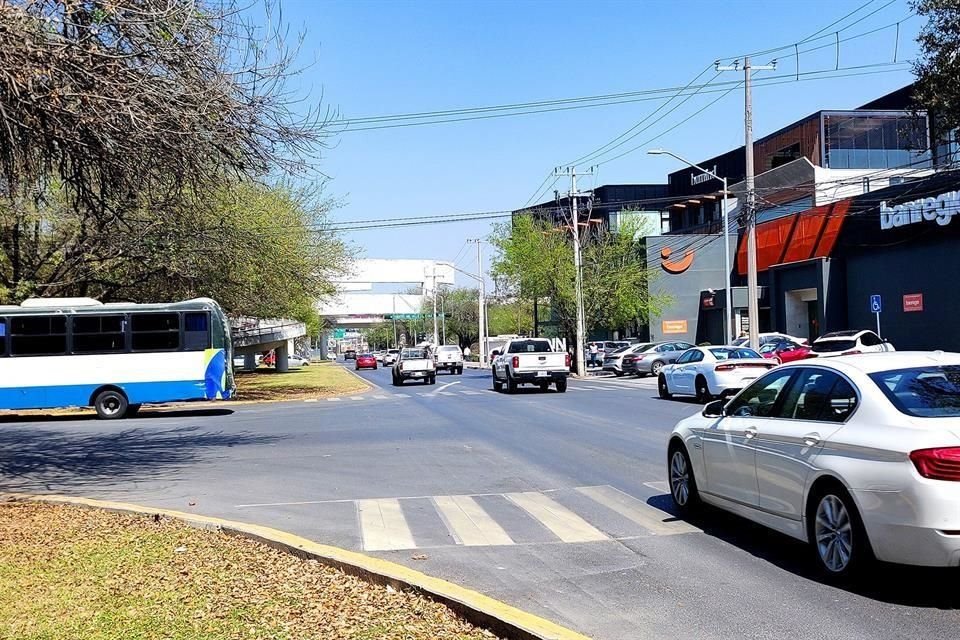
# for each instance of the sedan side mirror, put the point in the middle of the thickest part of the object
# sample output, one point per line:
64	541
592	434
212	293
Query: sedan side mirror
494	354
714	409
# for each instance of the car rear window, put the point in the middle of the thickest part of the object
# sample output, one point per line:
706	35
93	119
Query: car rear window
529	346
924	392
734	354
414	353
448	350
832	346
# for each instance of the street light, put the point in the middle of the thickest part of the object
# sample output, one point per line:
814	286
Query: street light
728	315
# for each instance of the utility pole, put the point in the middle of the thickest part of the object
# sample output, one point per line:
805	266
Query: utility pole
749	209
433	294
481	304
577	266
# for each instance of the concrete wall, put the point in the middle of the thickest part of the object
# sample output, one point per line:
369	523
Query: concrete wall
705	272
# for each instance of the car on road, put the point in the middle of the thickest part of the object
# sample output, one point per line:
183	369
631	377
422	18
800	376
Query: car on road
847	343
783	351
414	363
530	361
448	357
613	361
706	372
653	357
857	456
365	361
379	355
350	354
295	361
766	338
390	357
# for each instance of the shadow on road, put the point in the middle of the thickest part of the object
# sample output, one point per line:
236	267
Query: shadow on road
38	459
13	418
889	583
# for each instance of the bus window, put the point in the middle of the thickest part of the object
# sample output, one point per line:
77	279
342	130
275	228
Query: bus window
98	334
196	331
38	335
155	331
3	337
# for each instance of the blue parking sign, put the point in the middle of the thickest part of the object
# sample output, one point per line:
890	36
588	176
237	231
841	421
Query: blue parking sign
876	304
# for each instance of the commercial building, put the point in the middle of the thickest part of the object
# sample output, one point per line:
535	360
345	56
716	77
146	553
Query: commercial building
822	269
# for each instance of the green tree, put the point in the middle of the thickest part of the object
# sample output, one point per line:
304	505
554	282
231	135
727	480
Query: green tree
514	316
379	336
536	260
938	65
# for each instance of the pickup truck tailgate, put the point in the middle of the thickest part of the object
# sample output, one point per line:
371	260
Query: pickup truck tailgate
541	362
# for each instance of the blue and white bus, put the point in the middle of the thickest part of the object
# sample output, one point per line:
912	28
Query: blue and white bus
64	352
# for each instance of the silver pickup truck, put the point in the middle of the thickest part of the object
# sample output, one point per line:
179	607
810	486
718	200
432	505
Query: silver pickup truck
530	361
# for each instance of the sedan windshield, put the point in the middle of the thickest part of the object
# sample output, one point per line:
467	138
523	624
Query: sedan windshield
924	392
724	353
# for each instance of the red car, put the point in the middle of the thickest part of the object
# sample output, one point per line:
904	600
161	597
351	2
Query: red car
785	351
365	361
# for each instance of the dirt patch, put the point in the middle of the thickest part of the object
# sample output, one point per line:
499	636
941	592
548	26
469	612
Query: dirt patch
68	572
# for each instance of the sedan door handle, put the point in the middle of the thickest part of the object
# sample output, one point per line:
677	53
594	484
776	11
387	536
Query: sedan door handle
811	439
750	433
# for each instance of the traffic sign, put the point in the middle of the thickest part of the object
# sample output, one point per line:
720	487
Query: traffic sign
339	334
876	304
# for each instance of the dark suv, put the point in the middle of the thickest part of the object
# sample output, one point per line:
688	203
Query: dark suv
350	354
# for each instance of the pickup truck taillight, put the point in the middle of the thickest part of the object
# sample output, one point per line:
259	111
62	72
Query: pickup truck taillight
567	361
516	362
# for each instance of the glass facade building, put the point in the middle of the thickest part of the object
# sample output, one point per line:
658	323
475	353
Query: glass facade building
875	140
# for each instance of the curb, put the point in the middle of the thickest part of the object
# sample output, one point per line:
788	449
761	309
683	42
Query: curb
478	609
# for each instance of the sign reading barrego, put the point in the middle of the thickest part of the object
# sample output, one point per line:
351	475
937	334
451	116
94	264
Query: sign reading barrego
939	209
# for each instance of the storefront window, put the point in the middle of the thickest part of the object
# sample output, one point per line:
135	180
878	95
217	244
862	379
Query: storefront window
875	141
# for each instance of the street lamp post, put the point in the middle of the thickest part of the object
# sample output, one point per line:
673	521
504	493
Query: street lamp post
728	311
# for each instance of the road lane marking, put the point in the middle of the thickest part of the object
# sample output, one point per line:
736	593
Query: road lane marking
469	523
356	398
597	388
650	518
333	399
446	386
445	393
564	524
401	395
472	393
311	400
380	397
383	526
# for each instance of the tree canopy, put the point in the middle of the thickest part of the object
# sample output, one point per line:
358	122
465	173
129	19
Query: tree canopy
535	260
938	65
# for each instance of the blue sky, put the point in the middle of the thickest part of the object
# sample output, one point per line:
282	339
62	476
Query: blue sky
387	57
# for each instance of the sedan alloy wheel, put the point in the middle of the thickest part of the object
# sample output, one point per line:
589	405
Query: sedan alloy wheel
834	534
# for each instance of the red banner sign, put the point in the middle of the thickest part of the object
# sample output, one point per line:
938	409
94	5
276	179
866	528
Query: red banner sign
913	302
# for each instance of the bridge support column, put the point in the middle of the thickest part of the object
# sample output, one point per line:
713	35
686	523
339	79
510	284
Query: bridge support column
282	363
250	362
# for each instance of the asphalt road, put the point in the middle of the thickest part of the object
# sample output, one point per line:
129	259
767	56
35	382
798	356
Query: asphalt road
555	503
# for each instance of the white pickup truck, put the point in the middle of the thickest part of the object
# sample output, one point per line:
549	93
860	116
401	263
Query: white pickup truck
414	363
530	361
448	357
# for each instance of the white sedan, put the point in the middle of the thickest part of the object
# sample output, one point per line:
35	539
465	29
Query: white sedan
857	456
706	372
847	343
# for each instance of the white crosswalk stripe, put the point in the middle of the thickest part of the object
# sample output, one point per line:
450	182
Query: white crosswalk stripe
382	525
469	523
564	524
650	518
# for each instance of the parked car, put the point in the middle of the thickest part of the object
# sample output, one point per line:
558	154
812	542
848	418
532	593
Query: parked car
783	351
390	357
857	456
295	362
654	357
706	372
614	361
365	361
530	361
350	354
766	338
846	343
414	363
449	357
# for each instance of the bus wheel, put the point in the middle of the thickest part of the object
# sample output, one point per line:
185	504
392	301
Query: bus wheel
110	404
